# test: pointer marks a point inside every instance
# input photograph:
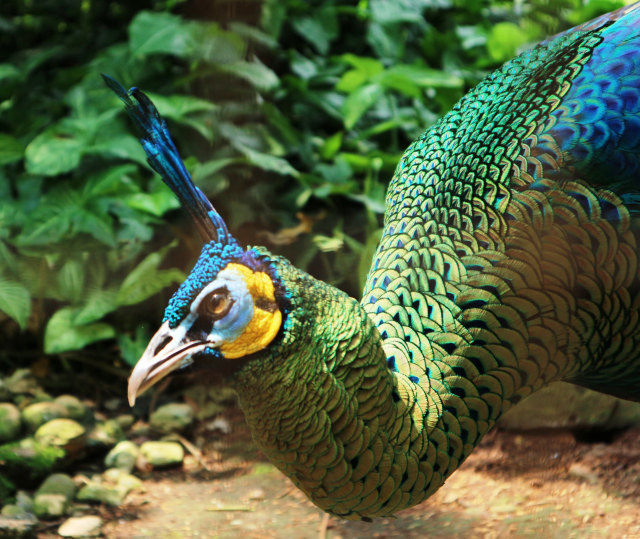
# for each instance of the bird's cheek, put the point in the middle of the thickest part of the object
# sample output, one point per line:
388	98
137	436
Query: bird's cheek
258	334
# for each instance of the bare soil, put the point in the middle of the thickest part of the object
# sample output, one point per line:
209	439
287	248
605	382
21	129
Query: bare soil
534	484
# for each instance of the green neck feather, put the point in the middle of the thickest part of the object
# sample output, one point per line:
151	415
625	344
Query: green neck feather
358	438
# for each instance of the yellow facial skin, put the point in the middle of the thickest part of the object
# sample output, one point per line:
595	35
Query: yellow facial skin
264	325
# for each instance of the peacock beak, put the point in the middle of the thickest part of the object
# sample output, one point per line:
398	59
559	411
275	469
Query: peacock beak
167	351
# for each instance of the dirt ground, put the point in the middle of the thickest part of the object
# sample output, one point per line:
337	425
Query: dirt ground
541	484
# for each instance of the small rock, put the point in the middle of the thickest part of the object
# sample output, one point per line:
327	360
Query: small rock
87	526
125	421
17	528
27	461
95	491
172	417
123	455
12	510
58	483
112	404
22	381
24	501
162	454
50	505
5	392
10	422
105	434
73	408
122	479
39	413
65	433
257	494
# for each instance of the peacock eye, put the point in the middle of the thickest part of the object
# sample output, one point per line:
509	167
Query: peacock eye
217	304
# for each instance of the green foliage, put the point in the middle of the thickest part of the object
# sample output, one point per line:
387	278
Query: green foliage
284	107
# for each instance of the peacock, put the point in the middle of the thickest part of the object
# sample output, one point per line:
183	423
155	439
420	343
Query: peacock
508	260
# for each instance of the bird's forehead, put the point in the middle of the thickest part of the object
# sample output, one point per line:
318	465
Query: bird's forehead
212	260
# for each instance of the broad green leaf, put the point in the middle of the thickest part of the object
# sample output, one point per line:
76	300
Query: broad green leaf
320	29
70	279
54	152
146	279
8	72
177	107
157	203
15	301
359	102
504	40
47	232
112	181
255	73
10	149
119	146
63	333
421	76
365	69
98	226
331	146
98	303
269	162
153	33
133	348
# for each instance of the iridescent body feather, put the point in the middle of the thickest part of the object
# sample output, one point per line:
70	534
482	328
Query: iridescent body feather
509	260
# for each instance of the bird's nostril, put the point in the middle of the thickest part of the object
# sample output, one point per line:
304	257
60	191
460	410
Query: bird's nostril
164	343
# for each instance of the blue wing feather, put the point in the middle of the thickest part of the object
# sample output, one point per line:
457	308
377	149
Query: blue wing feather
597	125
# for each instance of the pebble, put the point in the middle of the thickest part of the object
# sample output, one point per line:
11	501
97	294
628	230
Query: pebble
10	422
172	417
73	408
39	413
162	454
66	433
123	456
105	435
87	526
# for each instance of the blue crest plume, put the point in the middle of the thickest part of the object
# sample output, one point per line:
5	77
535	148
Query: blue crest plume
163	157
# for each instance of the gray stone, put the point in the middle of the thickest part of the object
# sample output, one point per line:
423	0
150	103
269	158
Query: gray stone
110	488
162	454
123	455
61	432
58	483
22	381
24	501
172	417
27	461
17	528
125	421
87	526
39	413
95	491
106	434
564	405
50	505
5	392
10	422
53	497
122	479
74	409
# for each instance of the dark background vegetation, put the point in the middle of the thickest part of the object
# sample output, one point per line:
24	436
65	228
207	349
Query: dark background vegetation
290	114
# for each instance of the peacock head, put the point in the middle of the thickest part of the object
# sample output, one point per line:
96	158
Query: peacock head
231	307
